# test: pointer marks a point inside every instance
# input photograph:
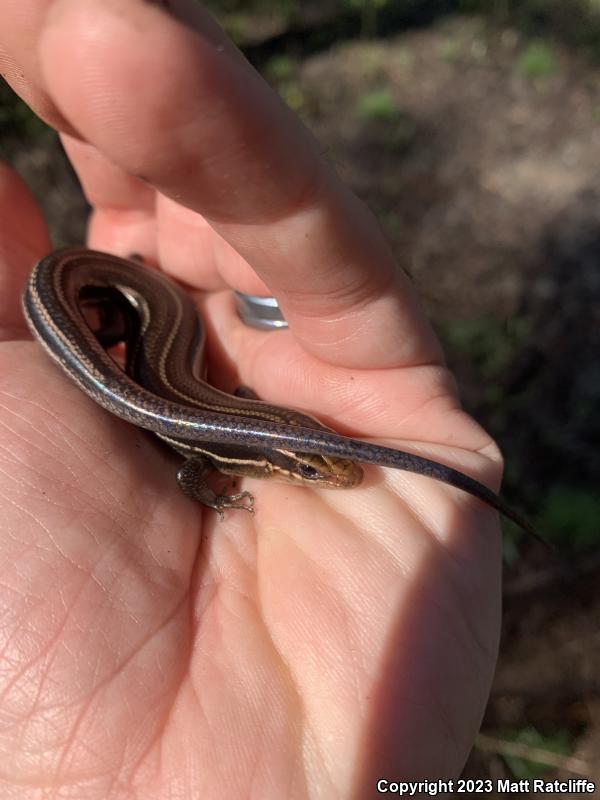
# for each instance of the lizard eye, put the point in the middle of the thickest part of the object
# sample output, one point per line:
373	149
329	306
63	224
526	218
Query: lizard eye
308	472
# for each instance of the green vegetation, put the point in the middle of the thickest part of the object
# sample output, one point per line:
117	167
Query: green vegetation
293	95
527	766
386	124
282	72
16	118
281	68
489	343
570	515
379	104
538	61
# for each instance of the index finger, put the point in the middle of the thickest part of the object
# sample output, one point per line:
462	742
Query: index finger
175	105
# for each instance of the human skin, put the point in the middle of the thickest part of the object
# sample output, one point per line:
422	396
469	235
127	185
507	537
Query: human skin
148	650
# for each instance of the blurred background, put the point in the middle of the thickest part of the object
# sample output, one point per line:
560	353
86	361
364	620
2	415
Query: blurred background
472	130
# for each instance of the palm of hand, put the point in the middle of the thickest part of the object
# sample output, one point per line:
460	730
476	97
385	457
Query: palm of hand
274	648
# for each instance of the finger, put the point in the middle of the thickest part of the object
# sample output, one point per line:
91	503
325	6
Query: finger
190	249
169	105
123	220
21	22
24	240
129	216
417	404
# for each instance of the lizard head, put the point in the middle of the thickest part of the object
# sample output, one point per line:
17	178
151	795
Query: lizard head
320	471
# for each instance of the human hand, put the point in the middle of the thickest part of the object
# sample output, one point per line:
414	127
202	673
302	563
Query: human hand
331	639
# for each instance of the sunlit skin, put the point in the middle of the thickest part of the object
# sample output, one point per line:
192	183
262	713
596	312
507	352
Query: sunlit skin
149	650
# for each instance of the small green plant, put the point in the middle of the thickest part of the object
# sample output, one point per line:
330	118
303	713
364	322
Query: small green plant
293	95
379	104
537	62
388	125
281	68
283	71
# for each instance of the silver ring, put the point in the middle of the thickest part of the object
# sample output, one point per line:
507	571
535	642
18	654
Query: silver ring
260	312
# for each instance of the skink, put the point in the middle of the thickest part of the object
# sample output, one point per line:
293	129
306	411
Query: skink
161	386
